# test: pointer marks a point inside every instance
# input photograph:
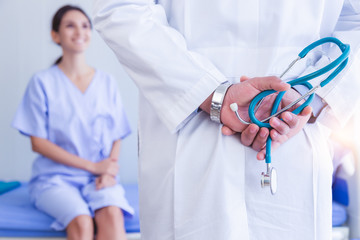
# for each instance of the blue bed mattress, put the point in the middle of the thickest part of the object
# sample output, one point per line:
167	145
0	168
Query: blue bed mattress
340	201
19	218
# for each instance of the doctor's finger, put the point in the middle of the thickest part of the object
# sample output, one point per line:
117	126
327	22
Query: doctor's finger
227	131
280	126
277	138
306	111
262	152
292	120
260	139
249	134
266	83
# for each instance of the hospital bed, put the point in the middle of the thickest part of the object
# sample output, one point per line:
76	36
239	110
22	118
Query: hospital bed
20	220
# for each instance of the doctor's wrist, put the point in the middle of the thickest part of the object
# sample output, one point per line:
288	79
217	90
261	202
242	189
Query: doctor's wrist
205	106
213	103
217	101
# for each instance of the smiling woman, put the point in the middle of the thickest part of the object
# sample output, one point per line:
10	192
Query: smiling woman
71	29
77	169
27	47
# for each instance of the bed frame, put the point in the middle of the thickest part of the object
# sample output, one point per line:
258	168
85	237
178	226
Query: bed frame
130	236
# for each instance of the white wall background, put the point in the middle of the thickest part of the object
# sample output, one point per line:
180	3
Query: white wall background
25	48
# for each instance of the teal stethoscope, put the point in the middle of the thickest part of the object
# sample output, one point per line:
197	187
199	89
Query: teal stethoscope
269	179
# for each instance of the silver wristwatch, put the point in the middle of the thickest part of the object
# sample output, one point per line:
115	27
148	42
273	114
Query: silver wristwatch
217	101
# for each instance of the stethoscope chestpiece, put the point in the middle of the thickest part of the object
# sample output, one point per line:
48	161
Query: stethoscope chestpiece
269	179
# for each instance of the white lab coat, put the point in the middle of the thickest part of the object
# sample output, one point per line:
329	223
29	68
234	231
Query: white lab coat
195	183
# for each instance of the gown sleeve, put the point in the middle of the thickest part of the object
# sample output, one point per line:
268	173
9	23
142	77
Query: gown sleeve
173	79
341	94
31	117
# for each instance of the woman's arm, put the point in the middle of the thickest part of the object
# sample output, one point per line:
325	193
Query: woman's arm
57	154
115	150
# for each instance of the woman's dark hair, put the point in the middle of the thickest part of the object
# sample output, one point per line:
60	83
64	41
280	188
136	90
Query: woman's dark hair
58	17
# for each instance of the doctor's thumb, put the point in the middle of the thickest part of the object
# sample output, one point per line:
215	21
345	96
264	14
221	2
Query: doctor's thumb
269	83
244	78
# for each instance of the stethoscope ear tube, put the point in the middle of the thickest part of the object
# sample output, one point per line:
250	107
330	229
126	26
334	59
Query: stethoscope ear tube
322	41
334	73
339	62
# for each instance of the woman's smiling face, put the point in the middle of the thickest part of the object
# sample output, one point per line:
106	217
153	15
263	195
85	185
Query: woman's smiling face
74	33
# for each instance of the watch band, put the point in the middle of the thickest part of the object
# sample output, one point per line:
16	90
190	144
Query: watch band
217	101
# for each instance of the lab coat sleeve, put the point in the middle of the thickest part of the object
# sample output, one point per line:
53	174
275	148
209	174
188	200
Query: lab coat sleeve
342	93
174	80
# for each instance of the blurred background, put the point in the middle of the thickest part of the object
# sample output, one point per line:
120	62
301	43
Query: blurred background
25	48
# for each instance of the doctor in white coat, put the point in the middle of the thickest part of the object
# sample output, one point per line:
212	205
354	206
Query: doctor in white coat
196	183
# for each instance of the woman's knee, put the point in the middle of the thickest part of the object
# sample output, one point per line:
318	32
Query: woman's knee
111	214
81	227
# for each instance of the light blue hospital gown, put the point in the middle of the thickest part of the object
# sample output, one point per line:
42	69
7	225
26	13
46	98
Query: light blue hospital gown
85	124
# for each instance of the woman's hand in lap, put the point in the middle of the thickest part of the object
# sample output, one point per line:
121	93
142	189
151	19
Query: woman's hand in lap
104	181
106	166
